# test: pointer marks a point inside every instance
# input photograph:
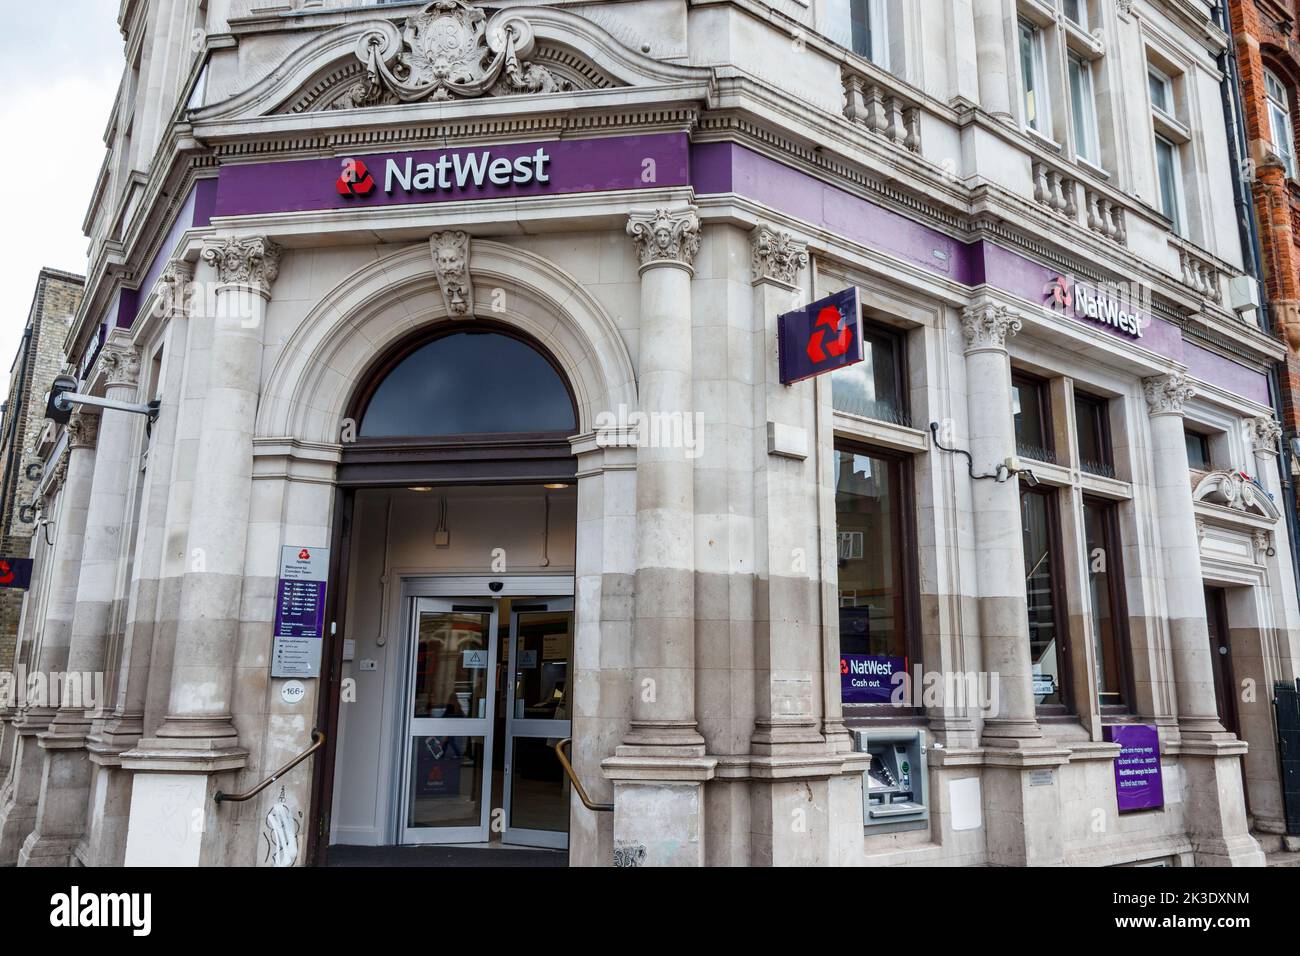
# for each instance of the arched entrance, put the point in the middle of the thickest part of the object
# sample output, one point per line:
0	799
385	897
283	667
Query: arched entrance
456	549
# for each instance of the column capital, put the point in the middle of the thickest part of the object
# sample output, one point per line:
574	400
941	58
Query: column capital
83	430
665	237
121	363
987	327
1167	394
1265	432
776	256
174	286
450	251
251	261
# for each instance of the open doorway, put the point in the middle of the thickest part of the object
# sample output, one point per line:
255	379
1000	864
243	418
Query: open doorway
450	659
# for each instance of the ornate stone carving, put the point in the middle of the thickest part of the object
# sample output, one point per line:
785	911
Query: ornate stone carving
252	261
1167	394
175	286
1236	491
665	236
83	430
447	50
1265	432
451	264
776	255
1263	543
988	326
121	365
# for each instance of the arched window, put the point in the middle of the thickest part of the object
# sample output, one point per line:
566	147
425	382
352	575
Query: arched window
1279	121
470	381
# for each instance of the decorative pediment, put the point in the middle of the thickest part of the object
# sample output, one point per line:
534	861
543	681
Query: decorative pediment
451	50
1236	491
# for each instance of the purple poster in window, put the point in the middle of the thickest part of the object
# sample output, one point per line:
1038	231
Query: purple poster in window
820	337
868	680
1138	782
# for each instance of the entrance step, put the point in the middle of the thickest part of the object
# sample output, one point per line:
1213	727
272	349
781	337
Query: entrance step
448	856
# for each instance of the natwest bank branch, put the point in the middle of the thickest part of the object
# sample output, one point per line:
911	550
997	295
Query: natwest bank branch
501	406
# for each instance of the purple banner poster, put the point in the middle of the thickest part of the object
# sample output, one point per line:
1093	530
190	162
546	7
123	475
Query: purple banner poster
1138	781
820	337
868	680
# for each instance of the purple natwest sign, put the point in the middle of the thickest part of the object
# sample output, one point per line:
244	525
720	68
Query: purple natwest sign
820	337
868	680
1138	781
446	175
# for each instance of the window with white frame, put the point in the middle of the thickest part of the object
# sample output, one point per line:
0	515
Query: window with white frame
1169	135
1169	178
1279	121
1035	97
1083	109
862	26
1077	11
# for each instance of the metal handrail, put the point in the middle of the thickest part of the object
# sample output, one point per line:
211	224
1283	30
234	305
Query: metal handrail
317	741
577	784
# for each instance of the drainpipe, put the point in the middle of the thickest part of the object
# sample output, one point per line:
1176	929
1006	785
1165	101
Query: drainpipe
1248	229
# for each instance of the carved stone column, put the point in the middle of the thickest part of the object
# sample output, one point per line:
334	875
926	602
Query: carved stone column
1216	807
1003	610
991	55
65	790
104	843
1181	555
18	817
659	770
1021	815
198	737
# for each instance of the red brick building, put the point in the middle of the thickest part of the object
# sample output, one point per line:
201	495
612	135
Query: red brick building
1267	40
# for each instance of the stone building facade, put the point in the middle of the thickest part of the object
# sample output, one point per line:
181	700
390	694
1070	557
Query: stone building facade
475	436
39	359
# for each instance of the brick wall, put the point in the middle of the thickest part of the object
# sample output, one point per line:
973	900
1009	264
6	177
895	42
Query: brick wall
1266	38
39	360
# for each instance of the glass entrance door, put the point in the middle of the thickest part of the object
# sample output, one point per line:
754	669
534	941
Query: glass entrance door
447	790
541	674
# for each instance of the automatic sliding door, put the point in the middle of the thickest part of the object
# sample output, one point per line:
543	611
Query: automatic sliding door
448	777
541	670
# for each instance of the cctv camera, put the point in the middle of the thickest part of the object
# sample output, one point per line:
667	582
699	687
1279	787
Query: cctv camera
495	586
1029	478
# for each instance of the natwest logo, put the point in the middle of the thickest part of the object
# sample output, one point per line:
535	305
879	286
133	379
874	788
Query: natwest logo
355	180
450	172
1115	308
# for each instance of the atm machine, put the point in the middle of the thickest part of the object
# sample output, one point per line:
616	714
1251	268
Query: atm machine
895	787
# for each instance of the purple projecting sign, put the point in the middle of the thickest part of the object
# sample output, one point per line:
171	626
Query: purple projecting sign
1138	781
500	171
820	337
868	680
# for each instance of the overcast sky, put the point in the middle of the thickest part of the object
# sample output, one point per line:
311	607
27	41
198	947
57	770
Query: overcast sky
59	72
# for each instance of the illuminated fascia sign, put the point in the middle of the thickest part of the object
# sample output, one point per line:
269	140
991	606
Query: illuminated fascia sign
820	337
1071	297
449	173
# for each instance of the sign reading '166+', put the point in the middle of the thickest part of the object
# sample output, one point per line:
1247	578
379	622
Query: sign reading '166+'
820	337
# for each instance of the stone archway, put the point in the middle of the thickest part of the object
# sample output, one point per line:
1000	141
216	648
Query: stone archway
307	393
